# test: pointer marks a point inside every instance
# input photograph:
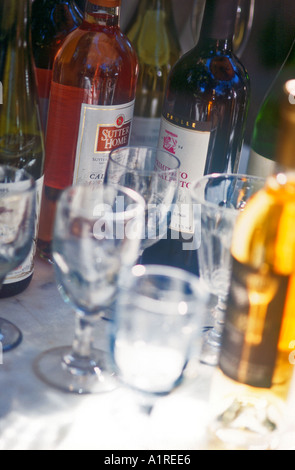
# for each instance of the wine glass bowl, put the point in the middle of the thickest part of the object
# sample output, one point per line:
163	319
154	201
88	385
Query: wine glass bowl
154	174
17	229
97	235
158	320
221	198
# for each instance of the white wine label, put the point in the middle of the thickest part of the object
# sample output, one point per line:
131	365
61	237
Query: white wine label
25	270
145	131
102	129
189	141
253	325
260	166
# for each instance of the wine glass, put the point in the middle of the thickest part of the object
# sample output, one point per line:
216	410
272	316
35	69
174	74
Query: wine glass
221	198
154	174
17	230
96	236
157	325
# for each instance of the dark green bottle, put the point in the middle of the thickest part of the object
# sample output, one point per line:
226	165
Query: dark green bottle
21	136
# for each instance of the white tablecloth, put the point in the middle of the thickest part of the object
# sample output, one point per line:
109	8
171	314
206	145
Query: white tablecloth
35	416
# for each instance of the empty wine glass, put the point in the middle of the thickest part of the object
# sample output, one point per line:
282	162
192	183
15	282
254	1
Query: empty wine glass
221	197
96	235
17	229
158	323
154	174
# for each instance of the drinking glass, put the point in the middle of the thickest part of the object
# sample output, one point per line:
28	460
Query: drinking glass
158	324
154	174
96	236
221	198
17	229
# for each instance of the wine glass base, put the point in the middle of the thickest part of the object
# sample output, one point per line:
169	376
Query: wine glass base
10	335
51	367
210	351
247	425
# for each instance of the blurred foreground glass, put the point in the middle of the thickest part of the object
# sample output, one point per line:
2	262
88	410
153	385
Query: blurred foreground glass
154	174
158	326
221	197
17	229
244	23
97	234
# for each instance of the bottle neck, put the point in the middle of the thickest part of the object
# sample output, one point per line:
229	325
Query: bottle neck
15	20
103	12
218	27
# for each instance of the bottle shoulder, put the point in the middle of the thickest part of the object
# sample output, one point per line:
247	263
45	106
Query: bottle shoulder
53	20
89	57
203	70
103	45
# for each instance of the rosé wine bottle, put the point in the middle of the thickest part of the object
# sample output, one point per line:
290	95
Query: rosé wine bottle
91	107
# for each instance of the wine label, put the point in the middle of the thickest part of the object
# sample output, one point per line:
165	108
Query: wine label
253	325
102	129
189	141
260	166
25	270
145	131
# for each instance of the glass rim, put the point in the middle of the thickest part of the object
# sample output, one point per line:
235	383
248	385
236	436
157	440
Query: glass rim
135	197
199	293
225	176
146	172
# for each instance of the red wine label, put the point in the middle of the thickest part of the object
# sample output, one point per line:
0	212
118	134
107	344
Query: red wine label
252	325
62	133
189	141
102	129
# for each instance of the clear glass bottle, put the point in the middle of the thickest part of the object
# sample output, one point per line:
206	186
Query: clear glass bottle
203	120
155	38
91	106
263	154
52	21
21	136
251	387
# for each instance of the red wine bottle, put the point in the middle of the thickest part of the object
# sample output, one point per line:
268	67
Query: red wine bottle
91	107
52	21
203	120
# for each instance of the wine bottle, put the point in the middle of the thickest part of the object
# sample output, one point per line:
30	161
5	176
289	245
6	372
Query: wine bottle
91	106
154	36
265	135
257	358
52	21
21	136
203	120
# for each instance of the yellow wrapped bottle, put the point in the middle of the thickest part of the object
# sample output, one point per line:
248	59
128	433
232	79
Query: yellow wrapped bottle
256	362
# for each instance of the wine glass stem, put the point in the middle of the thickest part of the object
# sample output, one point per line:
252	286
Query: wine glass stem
83	342
219	313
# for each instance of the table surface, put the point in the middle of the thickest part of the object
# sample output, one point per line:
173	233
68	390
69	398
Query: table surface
34	416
